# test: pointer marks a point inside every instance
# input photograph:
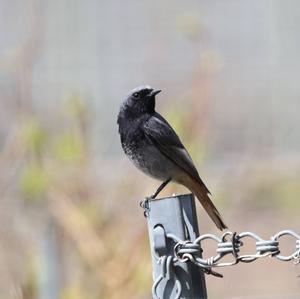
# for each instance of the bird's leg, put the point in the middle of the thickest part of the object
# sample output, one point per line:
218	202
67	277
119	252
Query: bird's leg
162	186
145	203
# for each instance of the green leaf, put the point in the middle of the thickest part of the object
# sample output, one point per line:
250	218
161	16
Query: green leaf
33	183
68	148
34	137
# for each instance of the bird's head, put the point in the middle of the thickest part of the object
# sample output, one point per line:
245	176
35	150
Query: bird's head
141	99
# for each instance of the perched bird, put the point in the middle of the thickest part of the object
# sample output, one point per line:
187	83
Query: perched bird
154	148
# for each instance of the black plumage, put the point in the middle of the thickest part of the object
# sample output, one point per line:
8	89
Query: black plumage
154	147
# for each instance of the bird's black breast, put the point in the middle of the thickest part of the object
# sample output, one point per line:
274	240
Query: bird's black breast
131	133
141	150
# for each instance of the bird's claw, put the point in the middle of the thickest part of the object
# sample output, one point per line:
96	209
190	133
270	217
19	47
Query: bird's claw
144	204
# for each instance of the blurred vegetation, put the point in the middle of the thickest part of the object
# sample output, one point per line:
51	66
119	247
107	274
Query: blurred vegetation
70	223
57	181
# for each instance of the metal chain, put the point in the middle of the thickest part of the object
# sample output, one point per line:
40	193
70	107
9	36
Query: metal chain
229	244
167	273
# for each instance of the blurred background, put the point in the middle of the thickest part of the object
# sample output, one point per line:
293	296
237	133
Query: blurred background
70	222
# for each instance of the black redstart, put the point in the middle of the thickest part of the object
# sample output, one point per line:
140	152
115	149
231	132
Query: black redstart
154	148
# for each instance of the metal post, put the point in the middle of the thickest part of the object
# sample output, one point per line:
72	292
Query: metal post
175	215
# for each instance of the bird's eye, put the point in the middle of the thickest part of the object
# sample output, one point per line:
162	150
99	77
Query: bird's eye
136	95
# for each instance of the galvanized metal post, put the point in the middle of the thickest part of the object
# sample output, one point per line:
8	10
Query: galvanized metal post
176	215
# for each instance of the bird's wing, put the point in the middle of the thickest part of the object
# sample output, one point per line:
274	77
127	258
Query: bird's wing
164	137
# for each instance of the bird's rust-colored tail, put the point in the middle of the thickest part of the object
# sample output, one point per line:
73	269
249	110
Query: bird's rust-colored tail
199	189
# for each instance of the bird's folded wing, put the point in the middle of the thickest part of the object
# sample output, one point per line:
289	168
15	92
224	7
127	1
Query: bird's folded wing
164	137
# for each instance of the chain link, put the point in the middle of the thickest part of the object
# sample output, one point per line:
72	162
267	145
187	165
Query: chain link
167	272
229	245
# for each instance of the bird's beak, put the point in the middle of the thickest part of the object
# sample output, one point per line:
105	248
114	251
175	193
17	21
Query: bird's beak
154	93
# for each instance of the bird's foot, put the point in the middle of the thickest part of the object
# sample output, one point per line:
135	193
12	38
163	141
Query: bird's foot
144	204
